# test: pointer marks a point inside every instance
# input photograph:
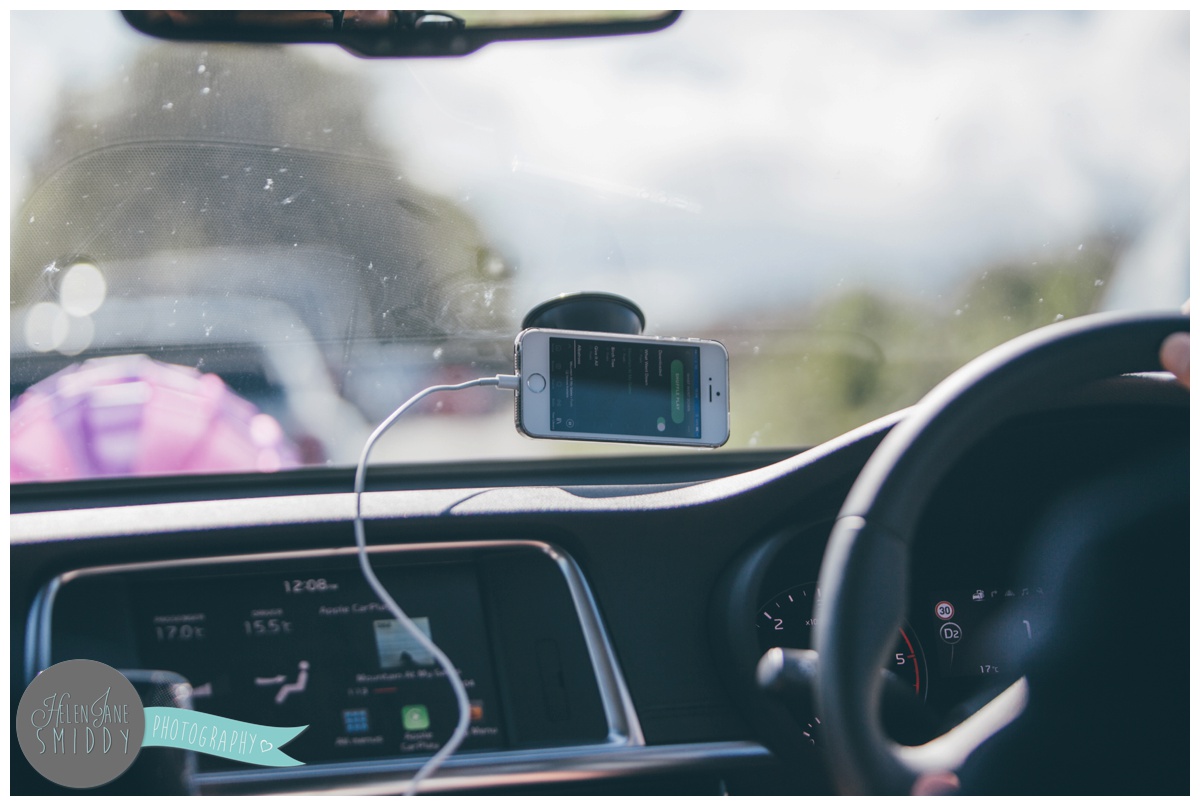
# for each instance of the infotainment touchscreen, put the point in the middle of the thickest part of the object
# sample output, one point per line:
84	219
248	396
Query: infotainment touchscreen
318	649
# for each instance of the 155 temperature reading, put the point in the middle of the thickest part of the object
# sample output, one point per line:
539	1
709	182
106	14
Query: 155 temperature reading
267	626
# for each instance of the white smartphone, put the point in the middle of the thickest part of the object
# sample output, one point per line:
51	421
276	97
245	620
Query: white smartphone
614	388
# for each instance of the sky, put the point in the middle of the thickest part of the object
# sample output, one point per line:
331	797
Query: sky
758	153
736	166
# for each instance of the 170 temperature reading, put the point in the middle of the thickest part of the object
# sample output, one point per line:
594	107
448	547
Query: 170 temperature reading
179	632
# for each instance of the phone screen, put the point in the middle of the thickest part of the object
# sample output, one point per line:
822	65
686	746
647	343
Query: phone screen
605	387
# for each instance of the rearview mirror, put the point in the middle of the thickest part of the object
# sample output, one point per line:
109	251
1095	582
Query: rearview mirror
394	33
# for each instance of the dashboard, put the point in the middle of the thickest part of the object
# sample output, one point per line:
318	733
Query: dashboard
316	647
607	617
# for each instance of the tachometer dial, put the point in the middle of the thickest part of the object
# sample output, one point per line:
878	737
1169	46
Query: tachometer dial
786	620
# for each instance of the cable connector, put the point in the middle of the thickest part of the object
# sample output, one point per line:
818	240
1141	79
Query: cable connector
511	382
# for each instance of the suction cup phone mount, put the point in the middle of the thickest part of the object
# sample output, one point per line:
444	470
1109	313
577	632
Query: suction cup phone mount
595	311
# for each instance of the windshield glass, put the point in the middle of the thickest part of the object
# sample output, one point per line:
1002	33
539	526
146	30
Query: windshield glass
235	257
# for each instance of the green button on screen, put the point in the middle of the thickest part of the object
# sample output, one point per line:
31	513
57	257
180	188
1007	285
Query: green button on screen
677	392
414	717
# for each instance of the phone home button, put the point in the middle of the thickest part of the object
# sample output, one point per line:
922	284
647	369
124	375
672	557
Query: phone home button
536	382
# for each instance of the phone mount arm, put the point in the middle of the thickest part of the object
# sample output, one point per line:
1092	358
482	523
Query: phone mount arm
596	311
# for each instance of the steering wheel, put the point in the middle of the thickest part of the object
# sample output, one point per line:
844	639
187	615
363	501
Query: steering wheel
865	574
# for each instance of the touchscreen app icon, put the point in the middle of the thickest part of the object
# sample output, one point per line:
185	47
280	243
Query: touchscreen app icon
355	720
414	717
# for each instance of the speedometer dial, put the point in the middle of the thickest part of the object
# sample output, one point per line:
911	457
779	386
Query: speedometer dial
787	619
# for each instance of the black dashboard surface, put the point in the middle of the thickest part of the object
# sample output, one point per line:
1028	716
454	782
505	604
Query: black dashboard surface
655	557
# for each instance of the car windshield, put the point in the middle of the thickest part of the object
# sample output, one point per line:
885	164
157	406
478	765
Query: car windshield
242	257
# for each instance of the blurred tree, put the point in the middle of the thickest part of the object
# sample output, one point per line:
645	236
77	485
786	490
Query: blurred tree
862	353
252	170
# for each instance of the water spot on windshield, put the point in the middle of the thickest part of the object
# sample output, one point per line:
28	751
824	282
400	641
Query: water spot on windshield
201	69
205	90
45	326
168	105
437	353
493	265
270	183
1098	282
80	330
82	289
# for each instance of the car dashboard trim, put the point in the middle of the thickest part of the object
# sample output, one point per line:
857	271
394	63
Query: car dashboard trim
489	770
576	762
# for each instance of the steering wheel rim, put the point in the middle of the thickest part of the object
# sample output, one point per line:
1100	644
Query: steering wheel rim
865	572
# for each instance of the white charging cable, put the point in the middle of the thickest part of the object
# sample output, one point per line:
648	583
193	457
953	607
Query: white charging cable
511	382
